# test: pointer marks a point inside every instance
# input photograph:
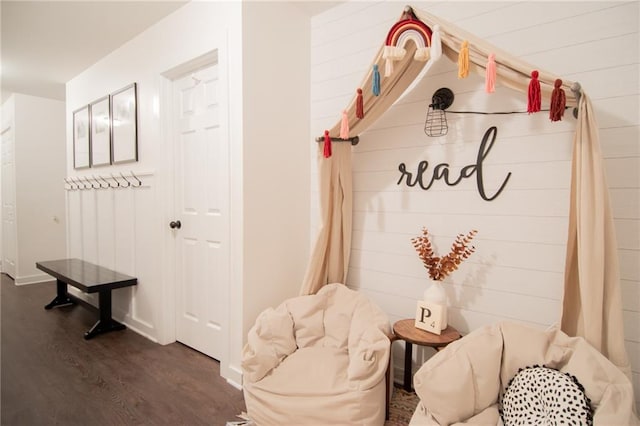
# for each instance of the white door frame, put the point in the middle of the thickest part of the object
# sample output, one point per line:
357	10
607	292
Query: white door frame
167	321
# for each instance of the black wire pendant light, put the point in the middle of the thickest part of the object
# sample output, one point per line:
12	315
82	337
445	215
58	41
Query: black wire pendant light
436	122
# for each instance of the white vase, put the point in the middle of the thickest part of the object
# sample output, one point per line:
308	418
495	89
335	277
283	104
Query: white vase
435	294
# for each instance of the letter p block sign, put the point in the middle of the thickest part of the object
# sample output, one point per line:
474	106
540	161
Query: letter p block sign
429	317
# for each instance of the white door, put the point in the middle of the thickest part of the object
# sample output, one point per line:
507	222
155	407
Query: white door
201	197
9	231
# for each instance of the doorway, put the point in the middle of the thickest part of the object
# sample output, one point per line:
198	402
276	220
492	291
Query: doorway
200	226
8	246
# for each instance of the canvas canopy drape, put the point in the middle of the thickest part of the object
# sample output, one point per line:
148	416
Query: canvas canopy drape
592	306
330	256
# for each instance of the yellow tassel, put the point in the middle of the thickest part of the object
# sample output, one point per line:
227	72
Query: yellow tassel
463	60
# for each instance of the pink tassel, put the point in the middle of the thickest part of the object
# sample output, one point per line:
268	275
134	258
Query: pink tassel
327	144
490	77
534	100
558	102
359	105
344	126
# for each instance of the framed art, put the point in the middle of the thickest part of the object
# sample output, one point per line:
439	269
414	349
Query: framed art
124	125
100	132
81	138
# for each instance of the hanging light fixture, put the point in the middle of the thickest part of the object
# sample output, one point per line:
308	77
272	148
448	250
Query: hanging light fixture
436	122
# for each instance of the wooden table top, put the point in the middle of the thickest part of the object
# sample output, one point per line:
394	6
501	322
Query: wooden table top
86	276
406	330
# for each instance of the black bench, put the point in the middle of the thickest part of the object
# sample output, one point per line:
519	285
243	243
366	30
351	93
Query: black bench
89	278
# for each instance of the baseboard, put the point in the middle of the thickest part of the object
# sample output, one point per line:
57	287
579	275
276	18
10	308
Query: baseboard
232	374
234	384
134	328
33	279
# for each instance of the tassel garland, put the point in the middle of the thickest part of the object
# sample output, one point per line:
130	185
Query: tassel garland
359	105
558	102
490	74
463	60
436	43
534	100
327	145
344	126
375	84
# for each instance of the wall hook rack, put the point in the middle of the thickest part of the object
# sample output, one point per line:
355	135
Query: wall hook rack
72	186
107	181
136	178
126	180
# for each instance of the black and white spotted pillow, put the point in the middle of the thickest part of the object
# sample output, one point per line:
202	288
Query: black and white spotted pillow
545	396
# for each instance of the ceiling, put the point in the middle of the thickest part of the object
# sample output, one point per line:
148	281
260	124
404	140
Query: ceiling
44	44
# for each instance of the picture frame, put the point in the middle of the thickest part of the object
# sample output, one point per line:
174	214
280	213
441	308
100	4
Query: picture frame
81	138
100	140
124	125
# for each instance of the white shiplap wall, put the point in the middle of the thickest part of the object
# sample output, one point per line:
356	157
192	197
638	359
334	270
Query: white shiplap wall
517	270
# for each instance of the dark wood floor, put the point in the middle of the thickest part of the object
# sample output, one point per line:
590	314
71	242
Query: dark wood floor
51	375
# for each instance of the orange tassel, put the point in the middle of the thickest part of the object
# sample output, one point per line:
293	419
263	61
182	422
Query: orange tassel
534	101
463	60
490	77
359	105
558	102
344	126
327	144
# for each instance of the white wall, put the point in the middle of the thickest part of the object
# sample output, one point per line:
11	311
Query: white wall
39	158
268	130
517	271
276	152
126	229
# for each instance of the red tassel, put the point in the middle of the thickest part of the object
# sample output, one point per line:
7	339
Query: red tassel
534	101
359	105
558	102
327	144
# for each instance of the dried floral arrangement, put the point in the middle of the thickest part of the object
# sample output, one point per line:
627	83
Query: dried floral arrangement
440	267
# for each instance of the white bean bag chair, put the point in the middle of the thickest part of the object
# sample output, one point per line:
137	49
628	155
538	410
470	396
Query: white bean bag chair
500	367
318	360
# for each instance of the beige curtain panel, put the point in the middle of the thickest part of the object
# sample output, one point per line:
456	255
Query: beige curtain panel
592	306
330	257
329	261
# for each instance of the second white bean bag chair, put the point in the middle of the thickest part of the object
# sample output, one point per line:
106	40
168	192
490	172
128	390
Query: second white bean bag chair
467	381
318	360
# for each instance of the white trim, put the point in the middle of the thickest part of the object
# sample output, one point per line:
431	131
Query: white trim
192	65
33	279
167	322
231	94
234	384
233	375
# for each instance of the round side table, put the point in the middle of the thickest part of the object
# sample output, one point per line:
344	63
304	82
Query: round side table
406	330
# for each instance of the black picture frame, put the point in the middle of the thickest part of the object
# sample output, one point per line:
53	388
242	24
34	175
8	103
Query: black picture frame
81	138
124	125
100	140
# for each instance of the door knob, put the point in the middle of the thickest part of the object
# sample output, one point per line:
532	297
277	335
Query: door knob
175	224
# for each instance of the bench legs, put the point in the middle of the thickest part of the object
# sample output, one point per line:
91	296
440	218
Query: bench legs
105	323
62	297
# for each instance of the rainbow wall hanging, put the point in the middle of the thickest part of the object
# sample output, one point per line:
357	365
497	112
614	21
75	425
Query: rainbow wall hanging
408	28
